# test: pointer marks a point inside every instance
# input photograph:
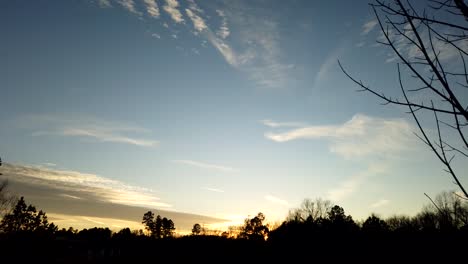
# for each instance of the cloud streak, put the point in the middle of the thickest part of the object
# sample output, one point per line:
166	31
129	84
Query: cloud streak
327	65
380	203
87	127
368	27
104	3
77	185
223	31
213	190
105	136
351	185
276	200
69	197
257	50
361	136
271	123
204	165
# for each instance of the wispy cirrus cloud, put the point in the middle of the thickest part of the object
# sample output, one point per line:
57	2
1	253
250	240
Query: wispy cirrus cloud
274	124
361	136
83	200
380	203
360	44
445	52
327	65
104	3
130	6
193	6
276	200
257	51
152	8
213	189
223	31
87	127
104	135
368	26
204	165
353	183
78	185
171	7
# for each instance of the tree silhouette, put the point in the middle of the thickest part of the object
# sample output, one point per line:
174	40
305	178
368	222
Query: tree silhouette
157	231
339	221
401	224
25	218
167	228
433	50
254	228
6	200
310	211
374	225
158	227
450	210
196	230
148	221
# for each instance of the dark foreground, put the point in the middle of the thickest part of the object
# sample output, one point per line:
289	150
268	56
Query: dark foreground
391	247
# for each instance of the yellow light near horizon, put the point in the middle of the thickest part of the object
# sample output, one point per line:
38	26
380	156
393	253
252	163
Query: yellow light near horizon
81	222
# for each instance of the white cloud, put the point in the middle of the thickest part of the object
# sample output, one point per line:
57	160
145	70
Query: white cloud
345	189
368	26
156	35
49	164
257	50
359	137
130	6
226	51
86	127
445	52
351	185
204	165
276	200
198	23
152	8
360	44
70	196
223	31
330	62
271	123
213	189
193	6
105	136
196	51
380	203
171	8
261	56
77	185
104	3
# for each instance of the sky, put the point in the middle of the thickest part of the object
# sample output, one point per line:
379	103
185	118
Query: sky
204	111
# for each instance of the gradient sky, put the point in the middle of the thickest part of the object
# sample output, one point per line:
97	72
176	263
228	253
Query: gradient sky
214	108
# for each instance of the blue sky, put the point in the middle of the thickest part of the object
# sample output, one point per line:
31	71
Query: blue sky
215	108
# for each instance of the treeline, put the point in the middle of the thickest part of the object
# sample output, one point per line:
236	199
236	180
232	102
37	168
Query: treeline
440	227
